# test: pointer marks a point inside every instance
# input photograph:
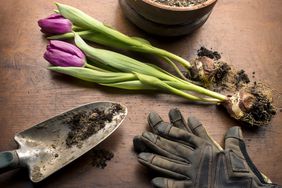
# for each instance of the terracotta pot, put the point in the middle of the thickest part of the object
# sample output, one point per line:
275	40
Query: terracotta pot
165	20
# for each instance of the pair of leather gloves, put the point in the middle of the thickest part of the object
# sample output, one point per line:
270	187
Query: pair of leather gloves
185	156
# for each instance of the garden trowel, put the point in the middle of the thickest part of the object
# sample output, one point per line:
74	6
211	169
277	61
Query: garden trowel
43	148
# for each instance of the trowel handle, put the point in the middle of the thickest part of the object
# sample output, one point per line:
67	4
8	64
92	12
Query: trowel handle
8	160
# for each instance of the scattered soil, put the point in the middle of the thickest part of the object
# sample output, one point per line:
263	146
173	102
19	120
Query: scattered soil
241	77
100	157
262	109
220	75
208	53
215	74
84	124
180	3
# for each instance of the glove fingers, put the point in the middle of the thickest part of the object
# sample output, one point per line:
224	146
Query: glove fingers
198	129
178	135
155	120
165	166
232	139
177	119
139	145
142	144
161	182
167	148
168	131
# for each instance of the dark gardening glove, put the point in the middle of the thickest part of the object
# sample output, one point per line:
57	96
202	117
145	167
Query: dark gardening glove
185	156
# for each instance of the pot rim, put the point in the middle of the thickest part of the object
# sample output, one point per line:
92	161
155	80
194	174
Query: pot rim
170	8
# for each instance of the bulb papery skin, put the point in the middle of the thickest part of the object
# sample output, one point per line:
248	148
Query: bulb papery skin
239	104
202	68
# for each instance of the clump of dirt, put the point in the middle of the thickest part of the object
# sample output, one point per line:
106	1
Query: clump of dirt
221	71
36	173
100	157
214	74
208	53
84	124
252	104
262	109
180	3
241	77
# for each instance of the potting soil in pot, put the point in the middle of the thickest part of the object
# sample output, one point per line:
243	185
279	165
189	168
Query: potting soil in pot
180	3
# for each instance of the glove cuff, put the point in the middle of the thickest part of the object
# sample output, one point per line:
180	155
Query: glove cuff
250	162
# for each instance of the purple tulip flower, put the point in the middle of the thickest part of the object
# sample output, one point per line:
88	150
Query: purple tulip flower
55	24
64	54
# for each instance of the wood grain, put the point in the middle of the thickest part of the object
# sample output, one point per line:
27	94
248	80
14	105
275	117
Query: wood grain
248	33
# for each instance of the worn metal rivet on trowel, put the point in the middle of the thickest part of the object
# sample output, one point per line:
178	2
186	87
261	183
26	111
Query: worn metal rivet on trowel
48	146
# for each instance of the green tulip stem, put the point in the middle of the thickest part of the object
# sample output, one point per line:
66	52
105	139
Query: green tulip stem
94	68
175	67
192	87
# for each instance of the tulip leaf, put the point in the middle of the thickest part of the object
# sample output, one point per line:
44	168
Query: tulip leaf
81	19
61	36
91	75
119	61
142	40
131	85
155	82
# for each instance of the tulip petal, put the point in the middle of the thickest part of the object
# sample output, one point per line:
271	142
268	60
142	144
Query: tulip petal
60	58
54	16
66	47
55	24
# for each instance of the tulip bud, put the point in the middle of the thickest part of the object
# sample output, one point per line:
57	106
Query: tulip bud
64	54
55	24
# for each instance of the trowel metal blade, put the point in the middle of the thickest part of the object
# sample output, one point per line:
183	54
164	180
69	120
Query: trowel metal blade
43	149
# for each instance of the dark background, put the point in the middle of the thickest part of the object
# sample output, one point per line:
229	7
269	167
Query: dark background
247	32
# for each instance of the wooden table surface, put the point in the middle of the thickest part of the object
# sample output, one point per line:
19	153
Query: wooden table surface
247	32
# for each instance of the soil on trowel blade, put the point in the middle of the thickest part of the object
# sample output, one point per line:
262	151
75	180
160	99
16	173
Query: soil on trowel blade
214	74
180	3
99	157
84	124
36	174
